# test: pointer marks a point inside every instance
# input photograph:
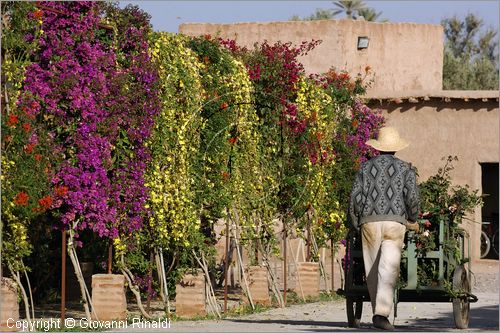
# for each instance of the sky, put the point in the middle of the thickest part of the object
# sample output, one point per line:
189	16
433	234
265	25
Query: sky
168	15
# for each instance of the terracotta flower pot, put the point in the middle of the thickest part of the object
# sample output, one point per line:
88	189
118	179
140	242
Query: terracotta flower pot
307	283
9	306
108	297
190	296
258	285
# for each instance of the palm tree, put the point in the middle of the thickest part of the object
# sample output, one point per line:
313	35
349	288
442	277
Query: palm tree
370	14
319	14
349	7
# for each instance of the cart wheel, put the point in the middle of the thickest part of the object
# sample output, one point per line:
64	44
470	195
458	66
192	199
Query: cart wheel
485	244
354	311
461	305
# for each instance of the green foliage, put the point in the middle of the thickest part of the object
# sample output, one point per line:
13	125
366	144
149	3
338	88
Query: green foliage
219	121
439	198
352	9
470	55
319	14
27	161
17	22
370	14
443	202
349	7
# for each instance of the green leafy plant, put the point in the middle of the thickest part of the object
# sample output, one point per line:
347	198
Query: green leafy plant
442	202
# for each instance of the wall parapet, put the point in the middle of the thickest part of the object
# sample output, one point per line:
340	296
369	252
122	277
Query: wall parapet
396	52
416	96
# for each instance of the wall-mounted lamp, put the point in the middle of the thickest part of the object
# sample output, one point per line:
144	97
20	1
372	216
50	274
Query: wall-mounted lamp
363	42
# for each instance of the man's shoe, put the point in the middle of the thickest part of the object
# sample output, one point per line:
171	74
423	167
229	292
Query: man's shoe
382	323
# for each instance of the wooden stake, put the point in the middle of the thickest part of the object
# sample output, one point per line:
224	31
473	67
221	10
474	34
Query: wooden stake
150	281
110	257
308	242
284	264
332	250
226	265
63	277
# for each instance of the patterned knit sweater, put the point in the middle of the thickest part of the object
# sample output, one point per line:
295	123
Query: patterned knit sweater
385	189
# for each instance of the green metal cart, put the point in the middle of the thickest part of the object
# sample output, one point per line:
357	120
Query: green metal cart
451	283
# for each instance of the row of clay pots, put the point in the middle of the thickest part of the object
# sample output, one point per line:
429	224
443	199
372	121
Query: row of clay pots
109	301
191	299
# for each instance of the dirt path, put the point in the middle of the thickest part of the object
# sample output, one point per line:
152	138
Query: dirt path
331	316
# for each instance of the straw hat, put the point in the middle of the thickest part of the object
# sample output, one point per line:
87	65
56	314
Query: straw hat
388	140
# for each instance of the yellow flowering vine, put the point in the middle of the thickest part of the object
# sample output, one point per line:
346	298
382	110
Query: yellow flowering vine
170	176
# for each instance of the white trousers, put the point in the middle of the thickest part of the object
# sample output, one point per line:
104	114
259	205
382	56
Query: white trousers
382	244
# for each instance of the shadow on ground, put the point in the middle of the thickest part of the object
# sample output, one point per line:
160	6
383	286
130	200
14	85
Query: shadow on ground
481	319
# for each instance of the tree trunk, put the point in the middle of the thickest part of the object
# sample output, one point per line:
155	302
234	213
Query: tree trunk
15	275
128	275
79	276
29	289
235	235
212	301
164	282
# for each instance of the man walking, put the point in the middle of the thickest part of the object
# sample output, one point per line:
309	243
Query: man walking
383	198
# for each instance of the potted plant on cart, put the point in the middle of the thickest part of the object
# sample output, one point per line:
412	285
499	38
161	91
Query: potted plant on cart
444	207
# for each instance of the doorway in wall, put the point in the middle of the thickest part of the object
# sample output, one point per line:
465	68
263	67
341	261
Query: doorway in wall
489	211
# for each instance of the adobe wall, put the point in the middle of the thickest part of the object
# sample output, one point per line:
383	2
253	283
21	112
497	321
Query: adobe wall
437	129
404	56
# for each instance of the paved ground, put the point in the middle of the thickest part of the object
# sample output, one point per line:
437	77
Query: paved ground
331	316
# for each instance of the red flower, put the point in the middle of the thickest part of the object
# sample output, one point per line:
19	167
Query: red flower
314	116
233	140
29	148
35	105
319	136
21	199
38	157
355	123
207	37
61	190
344	76
45	202
225	174
27	127
13	120
427	223
224	106
38	14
